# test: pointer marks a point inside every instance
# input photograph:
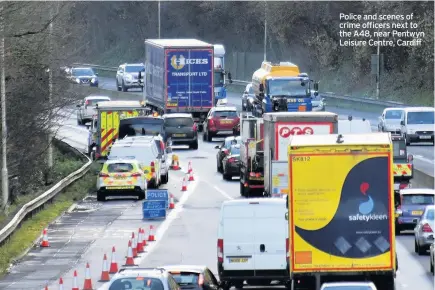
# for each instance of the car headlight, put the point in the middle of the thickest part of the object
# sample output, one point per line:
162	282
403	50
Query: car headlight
399	212
93	80
77	80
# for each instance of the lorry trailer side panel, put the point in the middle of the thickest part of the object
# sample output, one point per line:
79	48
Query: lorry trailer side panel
154	82
343	220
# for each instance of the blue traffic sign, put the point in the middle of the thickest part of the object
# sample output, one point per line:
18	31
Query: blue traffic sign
154	209
158	194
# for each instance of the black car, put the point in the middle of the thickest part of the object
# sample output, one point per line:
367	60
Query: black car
193	277
141	126
84	76
248	98
181	129
231	163
224	150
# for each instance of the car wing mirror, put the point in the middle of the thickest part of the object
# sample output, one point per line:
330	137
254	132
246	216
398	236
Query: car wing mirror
217	147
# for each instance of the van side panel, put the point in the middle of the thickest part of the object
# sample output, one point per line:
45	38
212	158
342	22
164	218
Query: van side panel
271	230
238	235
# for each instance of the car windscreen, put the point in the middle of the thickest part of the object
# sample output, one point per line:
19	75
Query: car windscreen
186	278
417	199
348	288
93	102
136	282
393	114
416	118
119	167
134	68
140	127
225	114
82	72
179	121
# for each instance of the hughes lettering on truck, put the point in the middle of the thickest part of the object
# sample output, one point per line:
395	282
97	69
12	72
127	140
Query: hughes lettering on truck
105	124
281	87
341	219
179	76
279	127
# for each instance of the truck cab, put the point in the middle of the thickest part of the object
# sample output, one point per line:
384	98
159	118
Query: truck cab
220	91
403	167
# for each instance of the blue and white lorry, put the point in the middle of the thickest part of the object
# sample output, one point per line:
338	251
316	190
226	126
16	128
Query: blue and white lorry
179	77
220	75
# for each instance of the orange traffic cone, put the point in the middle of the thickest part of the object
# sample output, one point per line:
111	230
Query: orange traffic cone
151	237
171	202
75	284
140	248
175	165
184	185
105	272
113	263
87	285
46	287
44	242
60	283
134	245
144	239
189	168
130	260
191	176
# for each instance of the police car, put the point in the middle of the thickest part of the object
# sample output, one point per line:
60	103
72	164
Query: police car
121	177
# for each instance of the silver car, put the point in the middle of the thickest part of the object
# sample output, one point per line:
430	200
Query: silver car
389	121
127	76
248	98
86	108
141	278
423	231
349	286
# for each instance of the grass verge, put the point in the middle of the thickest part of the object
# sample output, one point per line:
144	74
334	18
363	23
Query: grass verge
24	237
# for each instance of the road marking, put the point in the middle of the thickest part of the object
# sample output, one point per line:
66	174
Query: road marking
422	158
223	193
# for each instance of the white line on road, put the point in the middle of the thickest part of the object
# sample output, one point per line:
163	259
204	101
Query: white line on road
223	193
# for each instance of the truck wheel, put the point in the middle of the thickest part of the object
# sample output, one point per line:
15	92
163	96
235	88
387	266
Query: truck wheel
194	145
101	196
238	285
242	189
141	196
226	176
123	87
225	285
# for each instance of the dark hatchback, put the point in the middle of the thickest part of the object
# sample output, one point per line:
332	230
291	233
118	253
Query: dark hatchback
193	277
224	150
141	126
181	129
231	163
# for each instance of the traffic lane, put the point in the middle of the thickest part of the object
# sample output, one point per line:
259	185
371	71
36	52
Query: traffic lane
406	239
116	233
108	83
69	237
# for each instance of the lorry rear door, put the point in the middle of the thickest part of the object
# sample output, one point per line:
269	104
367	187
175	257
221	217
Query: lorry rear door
189	78
109	126
238	236
270	236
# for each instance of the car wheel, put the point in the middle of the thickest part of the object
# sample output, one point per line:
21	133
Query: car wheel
79	121
226	176
123	87
407	141
141	196
194	145
101	196
431	265
242	189
118	88
209	137
238	285
203	137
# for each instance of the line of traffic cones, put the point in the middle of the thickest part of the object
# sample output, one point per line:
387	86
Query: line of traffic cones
171	202
44	242
184	184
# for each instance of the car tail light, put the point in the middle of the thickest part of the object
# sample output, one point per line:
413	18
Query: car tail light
194	128
403	185
137	174
162	145
232	160
220	250
103	175
211	122
426	228
201	280
153	168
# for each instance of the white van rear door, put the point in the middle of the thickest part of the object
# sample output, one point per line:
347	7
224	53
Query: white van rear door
271	232
238	237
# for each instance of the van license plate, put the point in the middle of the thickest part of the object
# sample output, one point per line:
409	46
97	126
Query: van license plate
179	135
239	260
417	212
425	137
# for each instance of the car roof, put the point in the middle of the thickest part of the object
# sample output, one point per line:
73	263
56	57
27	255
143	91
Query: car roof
348	284
143	117
177	115
187	268
225	108
427	191
420	109
132	64
149	272
81	68
97	97
121	160
179	43
391	109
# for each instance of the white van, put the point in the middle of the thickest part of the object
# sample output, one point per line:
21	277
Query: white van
252	242
146	154
354	126
417	124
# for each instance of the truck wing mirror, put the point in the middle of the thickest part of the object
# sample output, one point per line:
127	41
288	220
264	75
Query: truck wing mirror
261	88
410	157
229	78
316	94
316	86
402	123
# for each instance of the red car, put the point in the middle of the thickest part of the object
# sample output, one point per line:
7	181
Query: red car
220	121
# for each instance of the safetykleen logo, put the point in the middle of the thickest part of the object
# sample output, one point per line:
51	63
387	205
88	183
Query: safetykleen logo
366	207
179	61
